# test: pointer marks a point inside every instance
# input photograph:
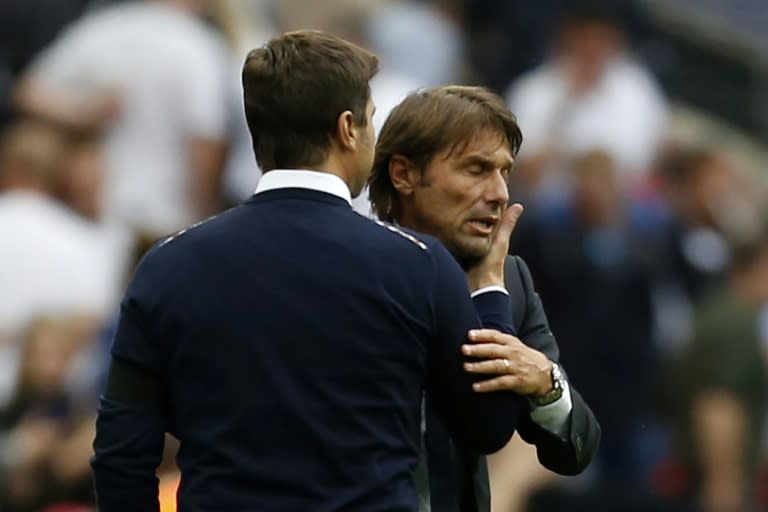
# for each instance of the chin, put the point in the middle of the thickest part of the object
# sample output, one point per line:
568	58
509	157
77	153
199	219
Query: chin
469	253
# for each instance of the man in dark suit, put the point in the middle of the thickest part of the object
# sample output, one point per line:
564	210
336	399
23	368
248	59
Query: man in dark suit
441	167
278	342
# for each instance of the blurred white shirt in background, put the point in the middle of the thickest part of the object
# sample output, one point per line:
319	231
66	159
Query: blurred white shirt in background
51	262
624	114
169	72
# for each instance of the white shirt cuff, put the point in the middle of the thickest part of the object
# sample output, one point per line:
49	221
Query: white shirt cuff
554	417
486	289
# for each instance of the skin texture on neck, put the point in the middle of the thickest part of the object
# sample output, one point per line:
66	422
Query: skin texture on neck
335	165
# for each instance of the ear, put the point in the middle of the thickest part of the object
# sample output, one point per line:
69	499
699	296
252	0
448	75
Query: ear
346	131
405	176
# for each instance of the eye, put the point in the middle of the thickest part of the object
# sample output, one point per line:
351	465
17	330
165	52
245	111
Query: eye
505	172
475	169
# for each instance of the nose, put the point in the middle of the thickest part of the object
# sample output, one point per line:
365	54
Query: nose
497	191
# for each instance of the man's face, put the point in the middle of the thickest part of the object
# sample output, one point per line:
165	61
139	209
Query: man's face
461	196
365	152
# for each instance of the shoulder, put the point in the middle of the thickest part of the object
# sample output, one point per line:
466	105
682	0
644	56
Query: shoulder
406	247
178	253
414	238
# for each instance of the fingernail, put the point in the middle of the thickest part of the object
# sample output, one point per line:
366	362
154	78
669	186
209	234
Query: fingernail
472	334
476	387
468	366
466	349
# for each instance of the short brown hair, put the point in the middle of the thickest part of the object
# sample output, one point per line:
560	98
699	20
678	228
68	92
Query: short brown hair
428	122
295	88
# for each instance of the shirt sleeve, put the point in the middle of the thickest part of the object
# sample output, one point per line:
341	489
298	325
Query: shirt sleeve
483	422
554	417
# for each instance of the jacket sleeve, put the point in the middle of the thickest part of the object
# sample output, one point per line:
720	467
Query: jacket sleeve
573	454
132	419
483	422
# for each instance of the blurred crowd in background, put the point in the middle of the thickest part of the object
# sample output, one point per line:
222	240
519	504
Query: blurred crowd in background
641	170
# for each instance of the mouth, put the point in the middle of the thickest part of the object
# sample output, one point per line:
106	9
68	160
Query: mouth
483	226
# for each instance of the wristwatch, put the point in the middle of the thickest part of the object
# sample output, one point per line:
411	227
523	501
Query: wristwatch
558	384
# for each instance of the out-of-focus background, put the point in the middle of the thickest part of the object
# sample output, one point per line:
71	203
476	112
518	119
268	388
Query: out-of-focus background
643	173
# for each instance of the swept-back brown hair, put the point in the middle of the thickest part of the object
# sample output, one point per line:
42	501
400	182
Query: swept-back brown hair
428	122
295	88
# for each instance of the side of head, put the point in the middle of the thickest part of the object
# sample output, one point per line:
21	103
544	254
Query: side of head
31	155
442	162
307	104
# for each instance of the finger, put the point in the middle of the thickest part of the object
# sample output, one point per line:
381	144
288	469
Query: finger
487	351
492	336
503	383
490	367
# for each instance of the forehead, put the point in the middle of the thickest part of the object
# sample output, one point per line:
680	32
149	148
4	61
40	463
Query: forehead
485	144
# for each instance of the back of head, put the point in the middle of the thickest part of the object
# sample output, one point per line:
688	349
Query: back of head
430	121
31	155
295	88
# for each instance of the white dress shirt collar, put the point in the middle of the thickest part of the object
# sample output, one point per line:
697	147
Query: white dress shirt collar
311	180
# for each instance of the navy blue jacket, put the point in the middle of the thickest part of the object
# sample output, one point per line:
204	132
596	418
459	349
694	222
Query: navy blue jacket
294	340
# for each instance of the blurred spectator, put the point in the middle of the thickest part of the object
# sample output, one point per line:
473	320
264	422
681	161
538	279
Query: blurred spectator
419	40
509	38
51	260
709	204
721	386
245	26
154	76
36	425
26	27
590	94
591	257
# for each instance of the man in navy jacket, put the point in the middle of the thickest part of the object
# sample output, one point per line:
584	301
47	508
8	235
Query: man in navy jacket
287	343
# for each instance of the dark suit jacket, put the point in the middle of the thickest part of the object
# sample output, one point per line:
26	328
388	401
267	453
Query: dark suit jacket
458	478
242	321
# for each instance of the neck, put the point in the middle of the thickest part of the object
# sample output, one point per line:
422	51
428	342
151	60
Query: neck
332	165
408	220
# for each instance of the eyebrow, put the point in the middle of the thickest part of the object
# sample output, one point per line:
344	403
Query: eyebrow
485	161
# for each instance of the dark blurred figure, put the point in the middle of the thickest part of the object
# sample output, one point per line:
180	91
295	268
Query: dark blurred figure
591	257
721	386
37	466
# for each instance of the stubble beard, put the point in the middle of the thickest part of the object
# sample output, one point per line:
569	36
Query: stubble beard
467	256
